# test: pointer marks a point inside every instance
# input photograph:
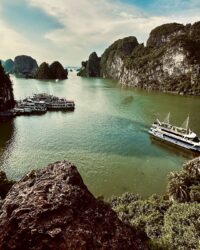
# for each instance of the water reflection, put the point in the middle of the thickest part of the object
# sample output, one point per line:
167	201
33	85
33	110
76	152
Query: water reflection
174	149
106	137
127	100
6	140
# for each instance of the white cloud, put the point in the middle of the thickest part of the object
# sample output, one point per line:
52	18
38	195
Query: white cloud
90	25
93	24
11	41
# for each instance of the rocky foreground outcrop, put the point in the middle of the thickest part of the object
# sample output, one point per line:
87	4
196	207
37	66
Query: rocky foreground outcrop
51	208
169	62
6	91
25	66
52	72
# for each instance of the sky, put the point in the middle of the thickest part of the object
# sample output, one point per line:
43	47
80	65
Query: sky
69	30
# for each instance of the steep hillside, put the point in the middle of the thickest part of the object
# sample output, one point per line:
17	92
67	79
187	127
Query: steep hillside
52	72
169	62
25	66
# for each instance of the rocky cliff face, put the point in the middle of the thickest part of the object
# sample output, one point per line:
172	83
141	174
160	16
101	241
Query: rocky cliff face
52	72
169	62
91	68
8	66
6	91
58	72
25	66
51	208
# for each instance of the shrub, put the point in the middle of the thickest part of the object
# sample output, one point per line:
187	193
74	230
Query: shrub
182	226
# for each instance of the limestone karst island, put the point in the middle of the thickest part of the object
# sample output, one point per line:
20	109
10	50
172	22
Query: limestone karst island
100	125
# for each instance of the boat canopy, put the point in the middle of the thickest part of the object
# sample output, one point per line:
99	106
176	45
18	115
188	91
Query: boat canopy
185	124
166	120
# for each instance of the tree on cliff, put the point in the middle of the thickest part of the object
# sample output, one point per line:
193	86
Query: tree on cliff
170	221
170	61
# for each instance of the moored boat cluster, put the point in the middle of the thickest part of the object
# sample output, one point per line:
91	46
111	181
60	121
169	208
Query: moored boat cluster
39	104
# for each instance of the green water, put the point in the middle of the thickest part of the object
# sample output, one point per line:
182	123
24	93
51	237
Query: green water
106	137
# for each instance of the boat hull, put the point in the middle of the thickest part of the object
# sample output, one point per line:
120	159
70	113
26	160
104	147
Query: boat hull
60	109
176	143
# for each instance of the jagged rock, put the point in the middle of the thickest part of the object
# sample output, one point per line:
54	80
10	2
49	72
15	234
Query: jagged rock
6	91
51	208
25	66
8	66
164	34
170	62
91	68
52	72
5	185
58	72
113	57
44	72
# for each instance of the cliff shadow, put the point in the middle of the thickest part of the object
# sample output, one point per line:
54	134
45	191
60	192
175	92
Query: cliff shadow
6	138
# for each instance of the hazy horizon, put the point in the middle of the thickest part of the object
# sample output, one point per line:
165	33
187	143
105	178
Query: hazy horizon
68	31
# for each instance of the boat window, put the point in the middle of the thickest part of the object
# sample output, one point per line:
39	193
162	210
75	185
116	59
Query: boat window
196	139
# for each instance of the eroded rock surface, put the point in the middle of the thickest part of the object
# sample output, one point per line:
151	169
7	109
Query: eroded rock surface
51	208
170	62
25	66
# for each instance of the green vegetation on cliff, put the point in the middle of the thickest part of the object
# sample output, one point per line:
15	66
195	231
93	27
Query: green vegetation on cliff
25	66
52	72
184	186
170	62
43	72
58	72
170	221
158	35
121	48
90	68
6	91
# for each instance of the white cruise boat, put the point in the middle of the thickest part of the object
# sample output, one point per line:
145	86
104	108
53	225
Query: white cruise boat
179	136
61	104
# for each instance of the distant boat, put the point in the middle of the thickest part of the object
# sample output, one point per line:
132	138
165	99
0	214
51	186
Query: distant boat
41	103
179	136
